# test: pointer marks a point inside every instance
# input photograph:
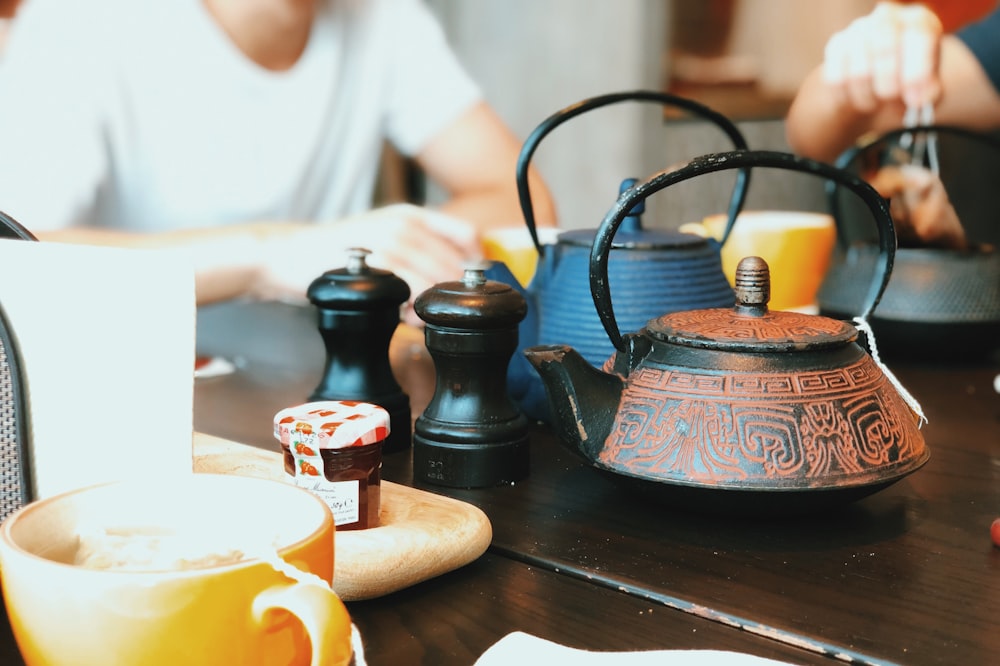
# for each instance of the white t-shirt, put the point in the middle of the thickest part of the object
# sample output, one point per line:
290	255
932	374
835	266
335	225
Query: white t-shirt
142	114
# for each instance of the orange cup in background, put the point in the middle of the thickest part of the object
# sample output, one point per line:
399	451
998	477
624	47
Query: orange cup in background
795	244
273	605
513	246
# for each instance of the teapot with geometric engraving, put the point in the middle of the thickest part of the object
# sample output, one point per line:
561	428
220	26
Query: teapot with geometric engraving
765	410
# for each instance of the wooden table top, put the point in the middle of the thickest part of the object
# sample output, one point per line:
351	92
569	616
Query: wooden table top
456	617
908	575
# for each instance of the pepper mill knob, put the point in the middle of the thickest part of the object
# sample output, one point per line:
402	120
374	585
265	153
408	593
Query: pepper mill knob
358	312
471	435
356	263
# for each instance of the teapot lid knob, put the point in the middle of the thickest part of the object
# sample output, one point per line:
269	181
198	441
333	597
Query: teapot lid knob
633	221
749	325
752	286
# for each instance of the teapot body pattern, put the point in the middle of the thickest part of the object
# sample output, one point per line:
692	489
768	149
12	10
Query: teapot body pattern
718	419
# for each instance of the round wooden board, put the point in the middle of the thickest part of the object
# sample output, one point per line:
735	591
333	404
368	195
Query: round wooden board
420	535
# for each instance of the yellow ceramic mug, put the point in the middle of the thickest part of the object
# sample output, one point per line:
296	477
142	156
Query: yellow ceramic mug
795	244
220	607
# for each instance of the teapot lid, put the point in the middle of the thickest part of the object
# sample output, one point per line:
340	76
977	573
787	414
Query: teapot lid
749	325
631	235
640	239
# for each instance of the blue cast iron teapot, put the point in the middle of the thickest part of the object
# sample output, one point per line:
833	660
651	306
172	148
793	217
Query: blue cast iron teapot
656	271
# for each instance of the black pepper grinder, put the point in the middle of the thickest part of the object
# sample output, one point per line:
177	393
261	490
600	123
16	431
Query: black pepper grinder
471	435
358	308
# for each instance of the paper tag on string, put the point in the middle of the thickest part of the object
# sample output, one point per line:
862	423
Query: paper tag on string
907	397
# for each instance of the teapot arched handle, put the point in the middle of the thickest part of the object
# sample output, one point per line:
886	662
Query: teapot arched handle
713	162
11	228
848	157
665	99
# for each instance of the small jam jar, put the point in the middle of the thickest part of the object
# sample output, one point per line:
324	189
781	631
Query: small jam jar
334	449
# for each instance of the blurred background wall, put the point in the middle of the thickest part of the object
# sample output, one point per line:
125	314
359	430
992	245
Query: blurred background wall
744	58
533	57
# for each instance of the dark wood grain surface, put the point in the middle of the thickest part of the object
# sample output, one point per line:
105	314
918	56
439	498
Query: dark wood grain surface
907	575
453	619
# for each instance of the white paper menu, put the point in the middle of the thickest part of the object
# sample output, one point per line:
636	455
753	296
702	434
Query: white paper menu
106	338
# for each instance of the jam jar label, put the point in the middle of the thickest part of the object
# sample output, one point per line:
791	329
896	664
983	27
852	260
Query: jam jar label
343	497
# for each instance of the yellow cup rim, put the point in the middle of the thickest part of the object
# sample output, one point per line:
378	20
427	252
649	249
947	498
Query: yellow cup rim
24	512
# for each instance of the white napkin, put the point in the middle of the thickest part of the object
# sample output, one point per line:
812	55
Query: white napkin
359	646
522	648
106	337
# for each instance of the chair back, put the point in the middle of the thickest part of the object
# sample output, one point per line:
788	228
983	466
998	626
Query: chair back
15	466
15	460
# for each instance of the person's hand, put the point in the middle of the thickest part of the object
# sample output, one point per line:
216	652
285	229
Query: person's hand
426	247
421	246
920	208
891	54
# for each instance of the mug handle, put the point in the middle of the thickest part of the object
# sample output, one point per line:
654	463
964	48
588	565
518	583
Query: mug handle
665	99
848	157
710	163
321	612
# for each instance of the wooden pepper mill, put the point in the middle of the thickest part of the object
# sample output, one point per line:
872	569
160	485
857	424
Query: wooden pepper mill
471	435
358	308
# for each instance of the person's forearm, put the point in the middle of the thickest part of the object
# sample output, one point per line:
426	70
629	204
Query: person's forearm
969	98
821	124
474	160
490	208
227	261
279	260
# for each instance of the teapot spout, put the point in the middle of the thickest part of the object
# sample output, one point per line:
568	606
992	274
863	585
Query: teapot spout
583	401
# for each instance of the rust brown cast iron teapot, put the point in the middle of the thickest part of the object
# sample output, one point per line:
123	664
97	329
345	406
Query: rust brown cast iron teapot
763	410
